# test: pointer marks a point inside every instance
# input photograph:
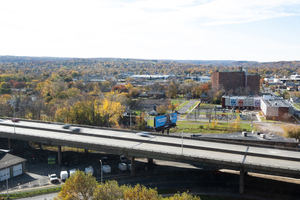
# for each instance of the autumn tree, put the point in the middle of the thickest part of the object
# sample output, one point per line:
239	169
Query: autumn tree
133	92
112	110
120	88
78	187
173	106
171	91
183	196
128	86
140	192
110	190
140	121
161	109
237	124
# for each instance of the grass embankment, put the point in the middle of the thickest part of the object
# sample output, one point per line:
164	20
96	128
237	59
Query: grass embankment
296	105
31	193
208	128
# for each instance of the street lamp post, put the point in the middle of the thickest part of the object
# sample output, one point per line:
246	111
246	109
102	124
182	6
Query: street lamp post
101	171
6	180
13	103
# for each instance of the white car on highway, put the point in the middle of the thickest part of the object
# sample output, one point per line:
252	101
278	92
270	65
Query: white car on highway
143	134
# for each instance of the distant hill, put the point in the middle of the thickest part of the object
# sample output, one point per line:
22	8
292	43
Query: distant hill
217	62
8	59
225	63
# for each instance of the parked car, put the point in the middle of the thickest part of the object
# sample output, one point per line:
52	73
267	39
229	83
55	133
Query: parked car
104	161
129	166
123	159
143	134
106	169
76	130
89	170
66	126
53	178
122	167
15	119
72	171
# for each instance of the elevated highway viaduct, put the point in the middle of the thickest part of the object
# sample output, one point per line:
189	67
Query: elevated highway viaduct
188	150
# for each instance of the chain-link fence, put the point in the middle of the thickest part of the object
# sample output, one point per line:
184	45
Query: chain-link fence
22	184
210	113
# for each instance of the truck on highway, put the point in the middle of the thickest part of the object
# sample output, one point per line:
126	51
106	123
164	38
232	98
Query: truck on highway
53	178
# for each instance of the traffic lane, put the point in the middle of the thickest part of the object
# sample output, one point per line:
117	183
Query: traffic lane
43	197
116	143
270	162
241	149
204	144
164	149
274	152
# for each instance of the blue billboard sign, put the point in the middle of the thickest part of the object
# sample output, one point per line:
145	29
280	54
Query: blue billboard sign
165	120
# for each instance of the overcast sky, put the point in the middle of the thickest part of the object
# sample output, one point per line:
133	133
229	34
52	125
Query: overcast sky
254	30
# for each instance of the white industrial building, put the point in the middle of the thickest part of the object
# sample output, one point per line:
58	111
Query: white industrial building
10	165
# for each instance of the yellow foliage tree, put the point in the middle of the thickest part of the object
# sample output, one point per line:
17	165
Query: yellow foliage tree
112	110
237	124
140	192
183	196
109	190
129	86
79	186
5	97
213	123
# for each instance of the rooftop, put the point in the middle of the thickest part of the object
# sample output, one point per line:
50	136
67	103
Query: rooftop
277	102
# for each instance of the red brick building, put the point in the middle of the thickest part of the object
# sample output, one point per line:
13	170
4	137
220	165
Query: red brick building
231	80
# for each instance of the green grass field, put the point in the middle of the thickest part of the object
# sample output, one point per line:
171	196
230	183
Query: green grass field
204	127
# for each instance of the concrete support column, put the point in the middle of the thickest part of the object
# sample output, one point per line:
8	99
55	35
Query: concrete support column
242	180
59	155
132	166
9	144
150	161
163	132
168	130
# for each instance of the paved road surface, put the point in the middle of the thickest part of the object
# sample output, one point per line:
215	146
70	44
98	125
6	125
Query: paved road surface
187	106
41	197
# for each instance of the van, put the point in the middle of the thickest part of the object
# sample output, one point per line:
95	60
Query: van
64	175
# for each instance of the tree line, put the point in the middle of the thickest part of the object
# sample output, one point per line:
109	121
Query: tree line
81	186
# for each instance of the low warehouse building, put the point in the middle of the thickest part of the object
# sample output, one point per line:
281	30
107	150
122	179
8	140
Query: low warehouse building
241	102
276	109
10	165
